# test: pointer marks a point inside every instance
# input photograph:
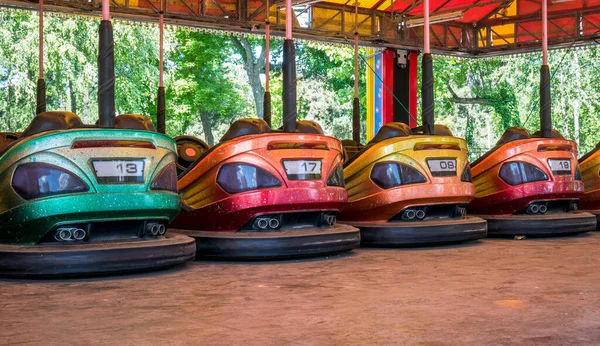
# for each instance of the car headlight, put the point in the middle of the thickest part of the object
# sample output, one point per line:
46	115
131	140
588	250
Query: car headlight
36	179
337	177
466	175
391	174
516	173
166	179
235	178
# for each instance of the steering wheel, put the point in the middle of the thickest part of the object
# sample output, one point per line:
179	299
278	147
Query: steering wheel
189	149
6	138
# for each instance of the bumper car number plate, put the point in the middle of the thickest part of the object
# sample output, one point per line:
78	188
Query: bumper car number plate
119	171
442	167
302	169
560	166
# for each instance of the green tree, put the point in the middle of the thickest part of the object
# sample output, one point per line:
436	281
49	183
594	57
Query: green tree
18	69
326	77
253	57
212	80
198	88
136	69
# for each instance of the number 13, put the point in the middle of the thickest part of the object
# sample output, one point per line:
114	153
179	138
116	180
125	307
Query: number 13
130	168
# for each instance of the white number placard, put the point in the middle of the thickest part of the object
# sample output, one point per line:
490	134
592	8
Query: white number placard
119	171
442	167
302	169
559	166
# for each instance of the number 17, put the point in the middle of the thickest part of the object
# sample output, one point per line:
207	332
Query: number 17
309	166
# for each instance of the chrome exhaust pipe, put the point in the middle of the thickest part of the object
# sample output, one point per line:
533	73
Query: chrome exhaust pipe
63	234
162	229
420	214
534	208
152	228
273	223
331	219
543	209
262	223
409	214
78	233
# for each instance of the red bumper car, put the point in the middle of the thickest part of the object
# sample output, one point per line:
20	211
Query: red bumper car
260	194
528	185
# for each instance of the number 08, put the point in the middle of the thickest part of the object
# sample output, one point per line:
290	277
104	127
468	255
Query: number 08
447	164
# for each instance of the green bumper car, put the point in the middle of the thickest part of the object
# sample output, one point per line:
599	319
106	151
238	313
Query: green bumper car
81	200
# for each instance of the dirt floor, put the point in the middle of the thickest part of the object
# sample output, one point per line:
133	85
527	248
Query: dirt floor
491	292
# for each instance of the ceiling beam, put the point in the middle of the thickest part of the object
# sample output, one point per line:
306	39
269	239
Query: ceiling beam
386	38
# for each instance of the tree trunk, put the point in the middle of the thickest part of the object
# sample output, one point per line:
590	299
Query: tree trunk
488	120
563	109
465	100
206	127
73	97
253	67
86	104
61	102
258	92
9	100
468	125
576	105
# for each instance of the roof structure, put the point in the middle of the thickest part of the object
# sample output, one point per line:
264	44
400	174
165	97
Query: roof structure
459	27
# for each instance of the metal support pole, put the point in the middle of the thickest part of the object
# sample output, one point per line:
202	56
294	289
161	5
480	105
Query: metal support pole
427	116
267	96
41	84
289	74
161	101
545	94
356	103
106	70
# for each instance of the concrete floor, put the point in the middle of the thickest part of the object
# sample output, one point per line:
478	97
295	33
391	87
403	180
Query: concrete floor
492	292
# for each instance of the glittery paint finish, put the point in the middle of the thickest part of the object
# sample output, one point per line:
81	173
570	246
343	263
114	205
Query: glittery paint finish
590	173
213	209
494	196
23	221
370	203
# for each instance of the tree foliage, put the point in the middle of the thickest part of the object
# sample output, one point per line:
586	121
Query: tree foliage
197	89
480	98
212	80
